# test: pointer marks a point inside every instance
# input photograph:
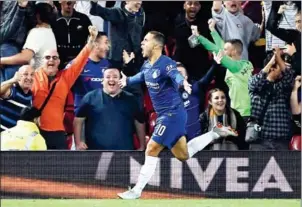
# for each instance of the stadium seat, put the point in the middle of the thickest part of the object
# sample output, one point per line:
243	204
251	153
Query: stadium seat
152	122
68	118
295	143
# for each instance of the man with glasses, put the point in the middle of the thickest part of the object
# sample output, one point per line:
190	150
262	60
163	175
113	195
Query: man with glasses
51	120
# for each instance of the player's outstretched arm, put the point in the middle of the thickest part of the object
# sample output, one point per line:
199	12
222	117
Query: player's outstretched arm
125	81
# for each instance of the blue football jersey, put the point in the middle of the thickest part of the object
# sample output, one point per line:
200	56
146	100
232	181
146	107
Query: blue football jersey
163	81
90	79
191	104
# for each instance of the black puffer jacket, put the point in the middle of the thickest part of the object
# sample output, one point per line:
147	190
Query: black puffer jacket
126	29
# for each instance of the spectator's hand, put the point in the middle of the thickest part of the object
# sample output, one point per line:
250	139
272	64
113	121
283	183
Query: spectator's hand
187	86
123	81
290	49
81	146
212	23
16	77
194	30
277	51
93	32
282	8
297	83
269	64
218	57
22	3
126	57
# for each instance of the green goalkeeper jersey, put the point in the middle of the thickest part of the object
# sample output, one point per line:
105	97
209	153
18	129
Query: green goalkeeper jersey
237	75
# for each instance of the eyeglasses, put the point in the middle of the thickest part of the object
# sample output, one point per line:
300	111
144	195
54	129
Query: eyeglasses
47	57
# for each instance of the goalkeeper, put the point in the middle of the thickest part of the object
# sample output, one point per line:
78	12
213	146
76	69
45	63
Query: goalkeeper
238	71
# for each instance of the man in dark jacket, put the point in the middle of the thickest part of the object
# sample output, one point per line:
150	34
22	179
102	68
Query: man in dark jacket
71	31
290	36
126	28
196	60
15	22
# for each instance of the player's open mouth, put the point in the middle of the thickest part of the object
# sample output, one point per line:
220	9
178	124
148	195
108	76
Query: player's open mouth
50	64
111	84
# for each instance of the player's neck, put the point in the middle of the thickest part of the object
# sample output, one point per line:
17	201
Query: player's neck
94	58
236	57
154	57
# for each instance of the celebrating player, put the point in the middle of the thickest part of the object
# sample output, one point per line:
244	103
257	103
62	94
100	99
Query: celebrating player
163	80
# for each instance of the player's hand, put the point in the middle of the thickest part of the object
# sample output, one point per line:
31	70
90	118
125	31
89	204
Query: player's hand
123	81
187	87
194	30
212	23
126	57
282	9
93	32
22	3
81	146
218	57
297	83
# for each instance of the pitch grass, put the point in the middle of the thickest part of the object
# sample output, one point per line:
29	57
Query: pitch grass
153	203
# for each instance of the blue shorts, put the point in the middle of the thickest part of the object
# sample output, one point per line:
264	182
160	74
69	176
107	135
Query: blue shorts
169	128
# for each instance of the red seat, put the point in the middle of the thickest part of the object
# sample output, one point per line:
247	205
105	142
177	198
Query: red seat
68	118
295	143
152	122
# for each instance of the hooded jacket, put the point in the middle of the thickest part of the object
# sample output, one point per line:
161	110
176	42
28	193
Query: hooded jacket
126	29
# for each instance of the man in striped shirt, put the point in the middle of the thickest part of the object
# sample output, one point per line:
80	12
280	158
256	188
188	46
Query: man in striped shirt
15	94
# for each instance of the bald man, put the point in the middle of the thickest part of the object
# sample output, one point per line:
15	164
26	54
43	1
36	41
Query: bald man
51	120
15	95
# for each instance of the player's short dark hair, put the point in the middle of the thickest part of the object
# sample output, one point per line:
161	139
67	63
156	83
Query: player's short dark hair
158	37
237	44
179	64
29	114
101	34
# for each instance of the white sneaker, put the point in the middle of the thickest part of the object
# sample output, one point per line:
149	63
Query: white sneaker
223	131
129	195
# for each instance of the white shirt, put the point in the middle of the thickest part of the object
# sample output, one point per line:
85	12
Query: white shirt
39	40
84	7
286	23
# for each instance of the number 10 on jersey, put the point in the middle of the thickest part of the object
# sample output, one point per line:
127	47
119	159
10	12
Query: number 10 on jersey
160	129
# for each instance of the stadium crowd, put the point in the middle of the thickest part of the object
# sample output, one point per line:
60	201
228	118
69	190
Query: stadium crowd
61	64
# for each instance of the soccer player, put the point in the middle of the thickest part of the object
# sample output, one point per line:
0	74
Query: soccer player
163	80
92	74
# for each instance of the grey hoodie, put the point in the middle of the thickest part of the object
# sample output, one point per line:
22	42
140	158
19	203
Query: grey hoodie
15	22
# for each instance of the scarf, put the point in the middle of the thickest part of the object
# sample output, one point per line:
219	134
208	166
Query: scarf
213	119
